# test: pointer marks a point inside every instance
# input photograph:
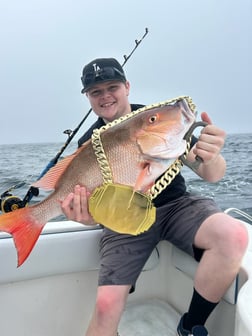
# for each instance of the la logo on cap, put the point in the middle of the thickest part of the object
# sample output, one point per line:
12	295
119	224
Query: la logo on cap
97	69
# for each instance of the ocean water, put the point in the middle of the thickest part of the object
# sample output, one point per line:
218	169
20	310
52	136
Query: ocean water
22	164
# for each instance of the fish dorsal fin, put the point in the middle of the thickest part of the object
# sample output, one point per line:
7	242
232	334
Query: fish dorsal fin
50	179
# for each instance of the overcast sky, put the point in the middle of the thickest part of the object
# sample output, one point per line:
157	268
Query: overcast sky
201	48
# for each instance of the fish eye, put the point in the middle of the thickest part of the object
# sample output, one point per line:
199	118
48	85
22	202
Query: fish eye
153	118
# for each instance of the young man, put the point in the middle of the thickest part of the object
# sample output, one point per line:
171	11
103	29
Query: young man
215	239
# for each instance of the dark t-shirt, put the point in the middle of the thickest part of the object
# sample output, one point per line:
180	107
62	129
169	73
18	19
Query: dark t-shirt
177	187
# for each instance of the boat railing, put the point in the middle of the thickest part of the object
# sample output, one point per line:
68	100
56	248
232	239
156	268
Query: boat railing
239	212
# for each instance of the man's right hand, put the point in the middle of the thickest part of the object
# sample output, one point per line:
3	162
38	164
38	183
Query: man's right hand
75	206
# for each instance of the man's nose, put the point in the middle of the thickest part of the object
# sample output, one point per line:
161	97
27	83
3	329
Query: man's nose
105	92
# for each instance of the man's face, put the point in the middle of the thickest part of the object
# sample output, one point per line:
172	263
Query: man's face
109	100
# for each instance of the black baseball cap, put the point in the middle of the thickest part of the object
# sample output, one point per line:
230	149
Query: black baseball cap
101	70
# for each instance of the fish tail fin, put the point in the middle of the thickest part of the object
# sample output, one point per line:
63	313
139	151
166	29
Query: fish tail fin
24	228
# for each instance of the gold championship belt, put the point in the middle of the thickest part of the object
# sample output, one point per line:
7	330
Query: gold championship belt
120	208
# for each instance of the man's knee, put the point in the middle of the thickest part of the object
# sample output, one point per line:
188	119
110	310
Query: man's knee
238	237
234	238
224	234
110	300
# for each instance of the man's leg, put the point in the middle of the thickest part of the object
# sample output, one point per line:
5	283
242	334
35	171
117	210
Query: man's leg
224	240
109	306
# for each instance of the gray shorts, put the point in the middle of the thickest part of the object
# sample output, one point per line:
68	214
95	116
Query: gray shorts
123	256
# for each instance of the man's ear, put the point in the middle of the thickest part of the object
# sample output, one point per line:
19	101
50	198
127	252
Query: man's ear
127	85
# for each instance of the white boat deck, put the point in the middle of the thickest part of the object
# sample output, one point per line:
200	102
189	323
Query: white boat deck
149	318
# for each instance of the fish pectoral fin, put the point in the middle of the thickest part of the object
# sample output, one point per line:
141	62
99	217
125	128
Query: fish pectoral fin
144	174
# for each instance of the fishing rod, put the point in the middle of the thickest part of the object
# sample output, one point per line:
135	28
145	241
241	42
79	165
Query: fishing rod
137	42
8	202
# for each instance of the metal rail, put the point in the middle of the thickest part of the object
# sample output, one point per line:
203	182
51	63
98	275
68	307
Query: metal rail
243	214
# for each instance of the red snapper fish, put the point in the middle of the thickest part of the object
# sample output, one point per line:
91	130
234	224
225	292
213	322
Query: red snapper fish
139	148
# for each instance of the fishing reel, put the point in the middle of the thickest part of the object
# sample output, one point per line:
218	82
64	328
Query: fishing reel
9	203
